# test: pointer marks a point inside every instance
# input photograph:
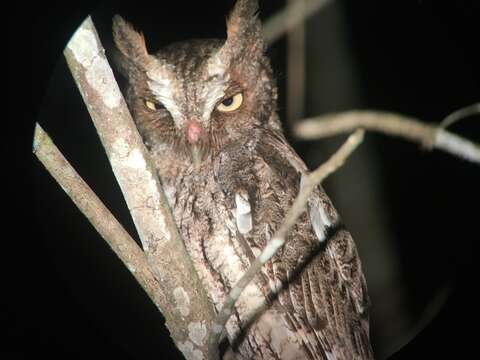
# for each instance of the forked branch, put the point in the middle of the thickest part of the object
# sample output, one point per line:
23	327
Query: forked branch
186	308
278	239
97	214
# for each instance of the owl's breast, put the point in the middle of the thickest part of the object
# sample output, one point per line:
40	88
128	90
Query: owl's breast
309	296
206	220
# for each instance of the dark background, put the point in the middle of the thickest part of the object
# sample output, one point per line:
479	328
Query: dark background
68	295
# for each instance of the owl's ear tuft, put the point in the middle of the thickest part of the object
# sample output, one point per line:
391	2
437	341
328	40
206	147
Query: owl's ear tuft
130	42
242	18
244	29
244	39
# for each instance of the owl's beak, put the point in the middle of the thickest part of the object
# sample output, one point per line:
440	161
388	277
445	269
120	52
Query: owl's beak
194	132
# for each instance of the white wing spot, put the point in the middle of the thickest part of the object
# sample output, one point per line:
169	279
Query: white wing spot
243	215
317	223
318	217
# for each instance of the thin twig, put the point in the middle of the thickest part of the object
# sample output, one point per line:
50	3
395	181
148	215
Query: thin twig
278	239
97	214
288	17
188	306
460	114
296	69
428	135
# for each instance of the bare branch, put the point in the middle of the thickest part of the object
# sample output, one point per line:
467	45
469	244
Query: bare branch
278	239
188	307
296	47
428	135
460	114
290	16
97	214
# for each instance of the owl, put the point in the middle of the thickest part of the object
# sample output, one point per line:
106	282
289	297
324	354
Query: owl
206	110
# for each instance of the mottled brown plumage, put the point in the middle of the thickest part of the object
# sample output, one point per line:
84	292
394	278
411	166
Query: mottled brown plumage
230	177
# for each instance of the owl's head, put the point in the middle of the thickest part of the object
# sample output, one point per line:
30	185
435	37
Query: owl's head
200	96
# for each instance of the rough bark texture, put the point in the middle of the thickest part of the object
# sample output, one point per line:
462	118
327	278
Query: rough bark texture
97	214
187	311
428	135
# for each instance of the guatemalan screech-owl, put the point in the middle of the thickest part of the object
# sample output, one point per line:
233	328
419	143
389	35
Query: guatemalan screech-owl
206	110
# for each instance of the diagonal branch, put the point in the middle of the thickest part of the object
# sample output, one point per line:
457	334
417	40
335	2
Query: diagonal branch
462	113
290	16
296	51
278	239
188	312
97	214
428	135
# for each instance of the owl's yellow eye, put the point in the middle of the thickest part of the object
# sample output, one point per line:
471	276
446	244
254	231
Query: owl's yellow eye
153	106
231	104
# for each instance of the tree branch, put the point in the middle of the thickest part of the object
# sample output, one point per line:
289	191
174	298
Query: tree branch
462	113
278	239
289	17
188	312
428	135
296	46
97	214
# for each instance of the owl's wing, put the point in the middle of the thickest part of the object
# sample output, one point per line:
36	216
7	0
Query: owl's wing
316	276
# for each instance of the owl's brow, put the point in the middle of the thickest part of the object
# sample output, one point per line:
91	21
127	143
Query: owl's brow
232	89
213	91
162	90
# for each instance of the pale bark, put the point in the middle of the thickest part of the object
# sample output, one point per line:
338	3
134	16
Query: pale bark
296	67
187	310
98	215
428	135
